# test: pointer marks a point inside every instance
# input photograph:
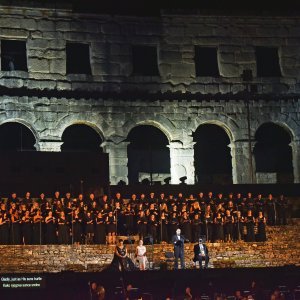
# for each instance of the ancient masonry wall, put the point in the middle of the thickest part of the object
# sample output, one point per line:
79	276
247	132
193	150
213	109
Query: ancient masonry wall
281	249
47	31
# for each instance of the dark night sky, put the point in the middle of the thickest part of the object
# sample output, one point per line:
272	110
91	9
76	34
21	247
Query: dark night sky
152	7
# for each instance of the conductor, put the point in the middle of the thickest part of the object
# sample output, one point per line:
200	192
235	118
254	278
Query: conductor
201	254
178	242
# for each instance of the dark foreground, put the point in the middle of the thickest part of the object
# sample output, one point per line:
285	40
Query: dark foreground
158	284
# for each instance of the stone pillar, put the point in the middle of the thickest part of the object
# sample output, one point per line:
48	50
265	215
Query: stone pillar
296	160
50	146
118	159
241	168
182	162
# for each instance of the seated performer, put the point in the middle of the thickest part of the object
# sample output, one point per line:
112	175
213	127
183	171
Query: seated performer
201	254
121	261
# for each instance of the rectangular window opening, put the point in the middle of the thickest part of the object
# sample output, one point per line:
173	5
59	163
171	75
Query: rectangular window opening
267	62
78	58
144	60
206	61
13	55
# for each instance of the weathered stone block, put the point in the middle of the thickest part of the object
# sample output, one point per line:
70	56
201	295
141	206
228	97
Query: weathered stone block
170	56
182	70
45	25
199	30
245	57
153	28
110	28
11	22
38	65
229	70
41	85
37	44
175	30
226	57
12	83
62	25
11	33
53	35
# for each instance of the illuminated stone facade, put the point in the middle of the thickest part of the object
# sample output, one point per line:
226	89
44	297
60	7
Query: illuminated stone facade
113	101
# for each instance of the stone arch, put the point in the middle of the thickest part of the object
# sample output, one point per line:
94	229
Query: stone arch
62	126
163	124
226	123
273	153
81	137
288	124
29	137
212	155
25	123
148	154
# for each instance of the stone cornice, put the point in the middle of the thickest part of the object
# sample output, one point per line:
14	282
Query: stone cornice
141	95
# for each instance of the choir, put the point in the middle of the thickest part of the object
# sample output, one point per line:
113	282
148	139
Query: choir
80	220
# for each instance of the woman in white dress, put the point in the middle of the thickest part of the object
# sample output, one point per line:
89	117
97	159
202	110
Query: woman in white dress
141	255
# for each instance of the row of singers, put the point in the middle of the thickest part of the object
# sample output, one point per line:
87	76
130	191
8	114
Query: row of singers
276	209
88	227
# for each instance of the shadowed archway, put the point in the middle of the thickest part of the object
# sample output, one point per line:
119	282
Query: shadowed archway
147	152
16	137
212	155
272	152
81	138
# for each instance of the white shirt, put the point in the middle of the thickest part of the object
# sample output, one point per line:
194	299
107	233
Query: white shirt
201	249
141	250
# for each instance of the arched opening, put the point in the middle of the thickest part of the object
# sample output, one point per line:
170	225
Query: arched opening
16	137
148	154
273	154
81	138
212	155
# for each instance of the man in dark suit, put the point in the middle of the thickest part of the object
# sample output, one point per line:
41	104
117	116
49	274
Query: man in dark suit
178	242
201	254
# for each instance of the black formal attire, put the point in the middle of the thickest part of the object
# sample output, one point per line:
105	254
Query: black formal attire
121	263
51	232
196	229
37	231
77	229
129	218
100	234
238	227
27	230
271	211
208	228
163	229
261	230
173	225
201	254
142	226
15	232
178	242
152	229
89	224
186	228
4	231
228	220
111	224
250	235
282	208
63	231
218	229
